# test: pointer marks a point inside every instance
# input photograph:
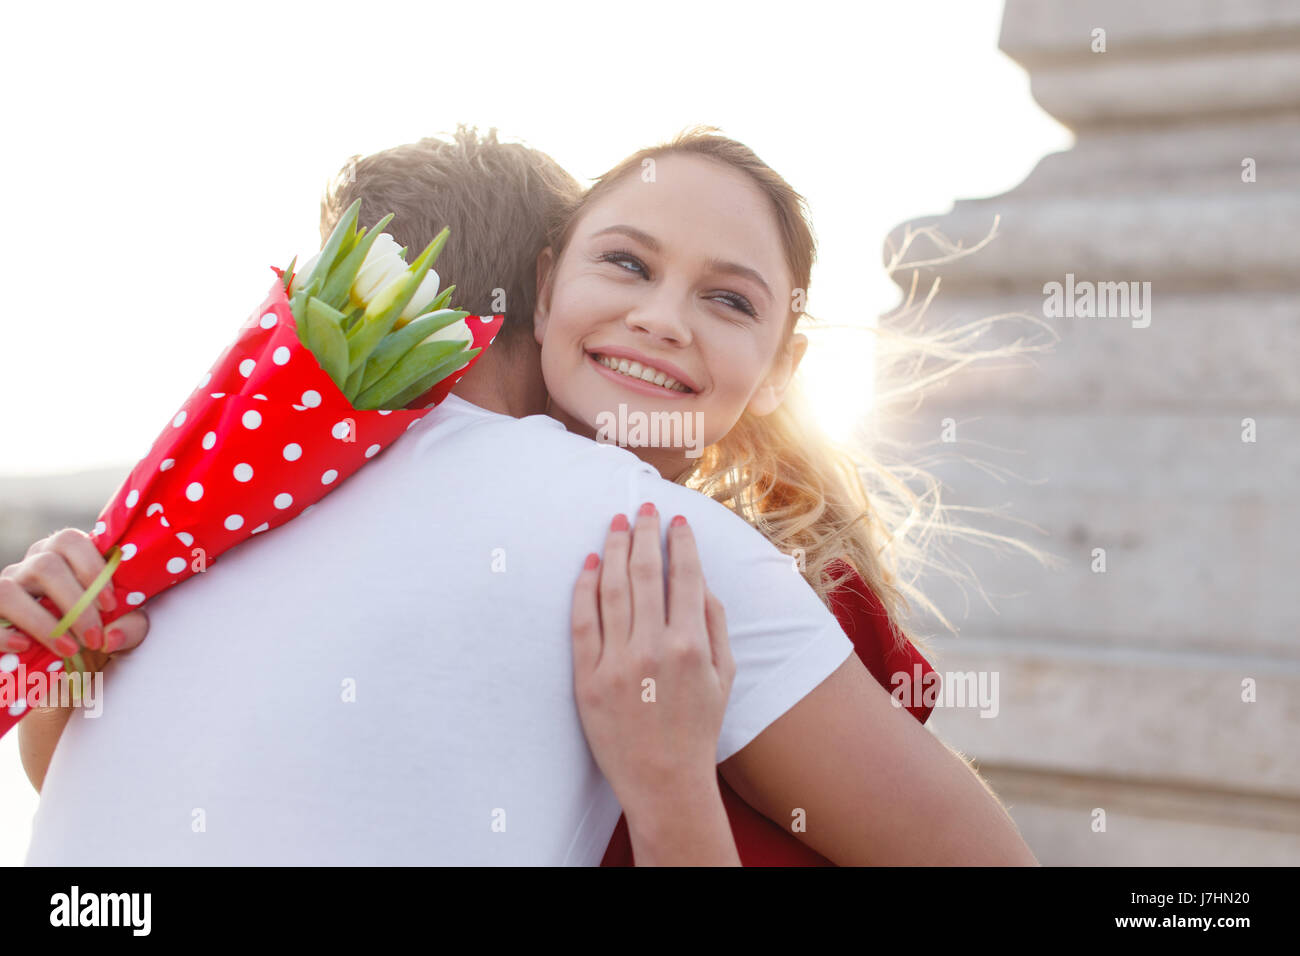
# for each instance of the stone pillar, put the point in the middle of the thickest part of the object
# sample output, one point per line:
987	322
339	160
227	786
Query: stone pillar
1166	443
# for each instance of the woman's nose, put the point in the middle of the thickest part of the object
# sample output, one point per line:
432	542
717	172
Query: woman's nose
662	324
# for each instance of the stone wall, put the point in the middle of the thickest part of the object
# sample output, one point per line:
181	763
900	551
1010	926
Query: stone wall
1122	690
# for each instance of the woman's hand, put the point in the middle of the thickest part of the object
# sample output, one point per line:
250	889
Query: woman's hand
61	567
651	678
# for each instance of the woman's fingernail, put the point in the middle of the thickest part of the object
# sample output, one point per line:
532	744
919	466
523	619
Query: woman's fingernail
619	523
647	510
678	521
113	640
18	643
106	600
591	562
93	638
66	645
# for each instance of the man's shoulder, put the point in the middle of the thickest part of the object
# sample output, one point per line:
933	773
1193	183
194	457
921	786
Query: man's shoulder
708	518
536	446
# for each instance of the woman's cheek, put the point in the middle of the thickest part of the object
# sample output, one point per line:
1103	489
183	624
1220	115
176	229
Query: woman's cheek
718	417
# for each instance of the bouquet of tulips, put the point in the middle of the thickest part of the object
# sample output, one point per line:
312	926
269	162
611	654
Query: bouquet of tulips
316	384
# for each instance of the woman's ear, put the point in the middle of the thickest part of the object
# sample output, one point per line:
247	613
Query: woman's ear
771	391
542	311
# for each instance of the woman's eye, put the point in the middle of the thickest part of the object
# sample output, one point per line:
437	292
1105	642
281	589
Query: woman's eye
623	257
737	302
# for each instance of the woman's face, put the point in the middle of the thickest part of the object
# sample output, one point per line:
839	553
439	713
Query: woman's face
686	277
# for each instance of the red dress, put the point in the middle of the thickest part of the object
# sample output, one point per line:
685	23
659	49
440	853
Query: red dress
759	841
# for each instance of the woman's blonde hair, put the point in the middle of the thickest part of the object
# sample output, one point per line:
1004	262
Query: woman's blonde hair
832	507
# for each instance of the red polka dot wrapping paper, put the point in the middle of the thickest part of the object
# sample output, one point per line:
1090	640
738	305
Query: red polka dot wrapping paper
264	436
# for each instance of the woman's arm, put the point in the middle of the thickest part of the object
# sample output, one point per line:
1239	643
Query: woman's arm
38	735
688	827
875	786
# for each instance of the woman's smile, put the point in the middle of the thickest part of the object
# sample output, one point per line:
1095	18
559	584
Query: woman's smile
641	373
630	375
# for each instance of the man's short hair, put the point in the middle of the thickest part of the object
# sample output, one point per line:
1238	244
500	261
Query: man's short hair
498	198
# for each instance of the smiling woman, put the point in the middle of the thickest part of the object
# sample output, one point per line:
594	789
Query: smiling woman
688	264
693	260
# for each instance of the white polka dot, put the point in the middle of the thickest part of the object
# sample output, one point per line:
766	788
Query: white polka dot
280	356
9	663
246	367
261	527
206	378
209	440
283	500
99	528
491	340
341	430
412	425
134	598
165	522
176	565
268	320
243	471
260	397
54	666
132	498
328	477
128	552
179	420
385	411
17	707
218	394
234	522
251	419
292	451
167	464
372	451
152	508
194	491
311	398
185	538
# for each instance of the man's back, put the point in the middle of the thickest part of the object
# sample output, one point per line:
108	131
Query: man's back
388	678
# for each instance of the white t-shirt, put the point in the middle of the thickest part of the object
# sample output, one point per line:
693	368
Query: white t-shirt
388	679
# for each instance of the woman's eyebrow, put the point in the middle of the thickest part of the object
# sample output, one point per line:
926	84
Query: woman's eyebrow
715	265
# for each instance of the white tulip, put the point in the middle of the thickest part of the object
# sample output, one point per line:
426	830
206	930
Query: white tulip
426	293
382	265
457	331
300	275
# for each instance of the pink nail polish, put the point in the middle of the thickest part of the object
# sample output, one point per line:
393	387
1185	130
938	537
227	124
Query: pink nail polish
66	646
113	640
678	521
18	643
591	562
648	510
106	600
619	523
93	638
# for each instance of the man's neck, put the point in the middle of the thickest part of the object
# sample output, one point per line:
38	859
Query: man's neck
506	380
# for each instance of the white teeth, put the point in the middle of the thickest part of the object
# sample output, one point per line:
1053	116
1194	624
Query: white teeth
645	373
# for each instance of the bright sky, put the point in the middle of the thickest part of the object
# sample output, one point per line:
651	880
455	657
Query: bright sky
162	156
